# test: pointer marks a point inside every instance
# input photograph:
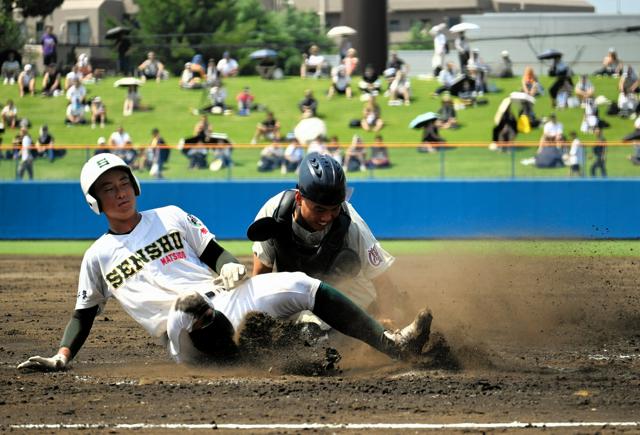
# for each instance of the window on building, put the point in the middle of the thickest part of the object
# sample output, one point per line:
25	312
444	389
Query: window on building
78	32
394	25
39	30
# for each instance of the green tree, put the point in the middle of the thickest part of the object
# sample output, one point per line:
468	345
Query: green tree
10	35
419	38
31	8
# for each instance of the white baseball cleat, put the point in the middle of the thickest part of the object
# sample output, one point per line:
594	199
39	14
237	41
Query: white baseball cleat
411	339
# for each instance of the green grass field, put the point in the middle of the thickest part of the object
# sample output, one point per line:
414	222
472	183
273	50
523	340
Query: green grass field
172	114
396	247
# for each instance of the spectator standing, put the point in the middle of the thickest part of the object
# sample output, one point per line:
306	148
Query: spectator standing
599	154
462	47
227	66
350	62
575	158
27	81
9	114
52	81
308	105
505	69
98	112
10	69
245	101
159	154
26	154
49	44
439	48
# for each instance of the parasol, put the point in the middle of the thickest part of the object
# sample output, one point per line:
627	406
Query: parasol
263	54
341	31
128	81
420	120
463	27
309	129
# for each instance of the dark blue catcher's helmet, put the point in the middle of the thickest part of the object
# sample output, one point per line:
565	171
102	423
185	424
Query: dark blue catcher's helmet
321	179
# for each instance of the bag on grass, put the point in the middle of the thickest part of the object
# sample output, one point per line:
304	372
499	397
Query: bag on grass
524	126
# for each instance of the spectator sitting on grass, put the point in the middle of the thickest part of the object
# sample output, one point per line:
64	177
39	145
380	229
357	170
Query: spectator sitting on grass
447	78
75	113
245	101
27	81
340	82
530	84
121	144
312	63
85	69
189	79
98	112
505	71
629	87
9	114
212	73
52	82
317	145
370	83
152	68
308	105
584	88
72	76
447	113
217	100
334	150
379	155
400	89
293	155
430	137
611	64
10	69
355	156
227	66
45	145
77	92
350	62
269	129
371	120
271	157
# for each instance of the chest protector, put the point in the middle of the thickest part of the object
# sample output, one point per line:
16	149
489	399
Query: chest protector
292	255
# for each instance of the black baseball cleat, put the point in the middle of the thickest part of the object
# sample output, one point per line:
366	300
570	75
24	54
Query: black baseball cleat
410	340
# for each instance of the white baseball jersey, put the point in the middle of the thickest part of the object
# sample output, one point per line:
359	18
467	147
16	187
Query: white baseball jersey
374	259
146	269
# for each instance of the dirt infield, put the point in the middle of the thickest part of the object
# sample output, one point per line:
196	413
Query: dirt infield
536	338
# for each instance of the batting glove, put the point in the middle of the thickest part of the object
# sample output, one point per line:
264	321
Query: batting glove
55	363
232	274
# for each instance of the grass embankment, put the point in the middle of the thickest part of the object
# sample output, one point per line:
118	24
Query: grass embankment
172	109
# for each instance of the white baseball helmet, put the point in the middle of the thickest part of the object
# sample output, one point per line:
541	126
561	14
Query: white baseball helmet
98	165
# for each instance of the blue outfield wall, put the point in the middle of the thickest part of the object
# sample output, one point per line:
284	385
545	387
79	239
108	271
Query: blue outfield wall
406	209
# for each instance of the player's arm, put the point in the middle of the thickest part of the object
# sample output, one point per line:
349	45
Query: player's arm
259	267
75	334
224	264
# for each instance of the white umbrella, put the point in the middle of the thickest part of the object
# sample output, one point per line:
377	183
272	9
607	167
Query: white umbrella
437	28
502	108
128	81
341	31
522	96
463	27
309	129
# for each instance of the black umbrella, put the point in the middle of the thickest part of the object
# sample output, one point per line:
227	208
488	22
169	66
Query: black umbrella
117	32
632	136
550	54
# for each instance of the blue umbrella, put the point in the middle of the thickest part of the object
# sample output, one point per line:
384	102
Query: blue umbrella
421	120
262	54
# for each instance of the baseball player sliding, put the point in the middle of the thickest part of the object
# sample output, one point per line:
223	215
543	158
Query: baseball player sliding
171	276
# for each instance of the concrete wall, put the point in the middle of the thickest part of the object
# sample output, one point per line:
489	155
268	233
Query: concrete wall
589	209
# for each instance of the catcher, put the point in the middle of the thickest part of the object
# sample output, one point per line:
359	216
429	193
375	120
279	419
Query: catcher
313	229
171	276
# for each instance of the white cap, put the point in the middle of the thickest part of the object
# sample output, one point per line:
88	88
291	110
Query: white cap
504	53
27	67
102	140
94	168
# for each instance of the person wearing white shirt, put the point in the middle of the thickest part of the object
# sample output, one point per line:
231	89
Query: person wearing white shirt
26	158
293	155
227	67
553	130
439	49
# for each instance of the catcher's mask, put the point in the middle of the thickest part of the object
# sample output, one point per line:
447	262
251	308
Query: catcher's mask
94	168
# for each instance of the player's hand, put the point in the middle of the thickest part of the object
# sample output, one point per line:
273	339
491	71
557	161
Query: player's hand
55	363
232	274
